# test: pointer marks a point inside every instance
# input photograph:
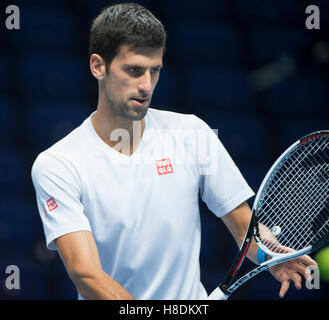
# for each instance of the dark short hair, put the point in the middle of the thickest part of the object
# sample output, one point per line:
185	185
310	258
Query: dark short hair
125	23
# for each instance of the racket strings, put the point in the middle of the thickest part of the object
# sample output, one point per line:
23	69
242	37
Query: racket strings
293	180
288	173
322	220
300	219
304	219
295	207
293	228
293	235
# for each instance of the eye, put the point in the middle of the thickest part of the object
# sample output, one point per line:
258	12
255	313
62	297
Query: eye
134	71
155	70
131	70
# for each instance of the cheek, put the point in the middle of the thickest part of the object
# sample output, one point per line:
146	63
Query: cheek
117	87
155	81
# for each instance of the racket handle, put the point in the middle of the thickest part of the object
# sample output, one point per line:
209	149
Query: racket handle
217	294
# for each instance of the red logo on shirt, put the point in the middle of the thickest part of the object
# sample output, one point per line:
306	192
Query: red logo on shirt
164	166
51	204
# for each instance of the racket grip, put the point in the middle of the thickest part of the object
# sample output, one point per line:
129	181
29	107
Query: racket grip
217	294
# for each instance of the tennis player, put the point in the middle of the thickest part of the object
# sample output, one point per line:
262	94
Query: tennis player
118	198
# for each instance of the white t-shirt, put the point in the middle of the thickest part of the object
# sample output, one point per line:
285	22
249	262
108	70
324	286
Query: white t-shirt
142	210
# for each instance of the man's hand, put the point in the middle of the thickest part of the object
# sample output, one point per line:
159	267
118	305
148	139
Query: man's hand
292	270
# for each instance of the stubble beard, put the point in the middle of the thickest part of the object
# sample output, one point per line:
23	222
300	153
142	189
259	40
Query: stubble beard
125	111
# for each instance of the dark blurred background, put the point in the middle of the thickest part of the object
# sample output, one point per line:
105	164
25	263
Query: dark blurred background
248	68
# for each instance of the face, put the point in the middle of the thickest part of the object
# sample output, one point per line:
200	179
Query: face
131	80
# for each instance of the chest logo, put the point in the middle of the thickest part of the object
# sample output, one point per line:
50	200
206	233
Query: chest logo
164	166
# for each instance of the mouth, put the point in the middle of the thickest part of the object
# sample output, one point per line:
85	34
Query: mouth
140	101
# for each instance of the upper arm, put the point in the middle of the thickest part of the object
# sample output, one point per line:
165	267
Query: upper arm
56	180
237	221
222	186
78	250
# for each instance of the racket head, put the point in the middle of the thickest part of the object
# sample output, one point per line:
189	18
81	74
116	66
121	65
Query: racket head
291	207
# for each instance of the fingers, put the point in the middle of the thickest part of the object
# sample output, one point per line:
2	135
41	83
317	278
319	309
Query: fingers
303	270
297	279
284	288
294	271
306	260
303	266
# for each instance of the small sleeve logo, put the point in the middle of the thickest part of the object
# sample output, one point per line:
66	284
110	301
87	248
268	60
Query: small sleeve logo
51	204
164	166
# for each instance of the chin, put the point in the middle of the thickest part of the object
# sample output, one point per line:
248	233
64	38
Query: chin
138	113
141	114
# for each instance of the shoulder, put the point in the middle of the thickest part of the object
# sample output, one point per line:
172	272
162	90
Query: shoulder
74	143
56	167
174	120
64	156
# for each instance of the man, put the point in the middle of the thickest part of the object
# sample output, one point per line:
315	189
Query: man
118	199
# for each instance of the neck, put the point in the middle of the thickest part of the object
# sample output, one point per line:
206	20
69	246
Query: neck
123	135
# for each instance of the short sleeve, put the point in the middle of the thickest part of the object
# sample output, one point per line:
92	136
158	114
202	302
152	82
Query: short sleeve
57	185
222	186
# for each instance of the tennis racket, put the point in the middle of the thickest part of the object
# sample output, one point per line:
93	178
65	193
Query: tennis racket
290	214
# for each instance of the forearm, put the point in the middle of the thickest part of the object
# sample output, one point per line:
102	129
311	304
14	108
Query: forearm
95	284
252	252
237	222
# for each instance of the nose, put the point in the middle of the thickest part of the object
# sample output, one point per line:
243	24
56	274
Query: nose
145	83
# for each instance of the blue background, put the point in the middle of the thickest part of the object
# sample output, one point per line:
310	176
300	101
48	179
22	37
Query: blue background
248	68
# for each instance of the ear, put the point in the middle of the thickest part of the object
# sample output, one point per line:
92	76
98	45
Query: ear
97	66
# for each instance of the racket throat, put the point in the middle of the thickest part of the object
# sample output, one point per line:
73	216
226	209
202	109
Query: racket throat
241	259
230	277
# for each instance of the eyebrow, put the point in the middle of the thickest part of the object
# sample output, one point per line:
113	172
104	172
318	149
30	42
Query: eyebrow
132	65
